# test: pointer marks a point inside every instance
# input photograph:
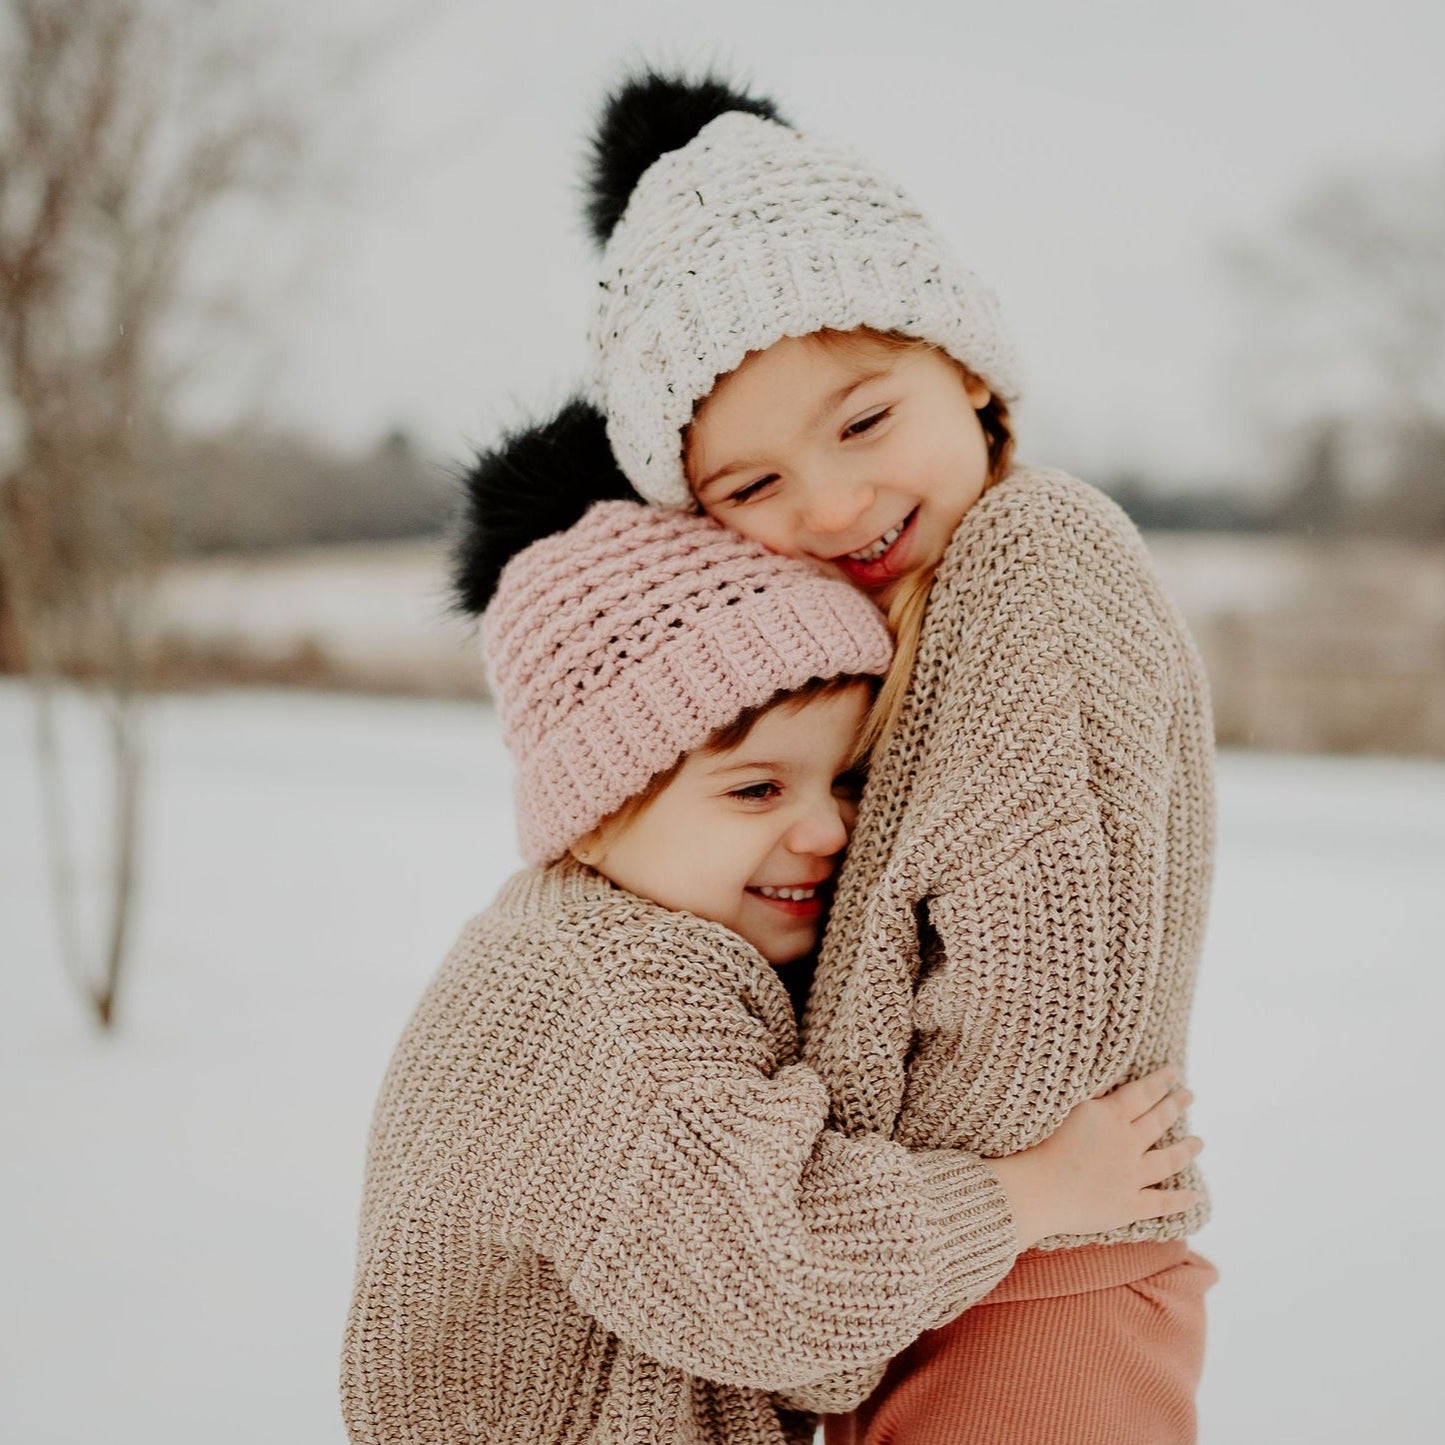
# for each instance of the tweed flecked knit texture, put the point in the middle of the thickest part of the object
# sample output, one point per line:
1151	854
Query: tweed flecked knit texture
749	233
627	640
601	1202
1020	916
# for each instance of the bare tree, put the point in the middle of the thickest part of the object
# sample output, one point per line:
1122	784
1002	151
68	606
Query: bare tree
1343	356
126	128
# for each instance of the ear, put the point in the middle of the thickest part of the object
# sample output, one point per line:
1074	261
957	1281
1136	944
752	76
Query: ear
979	394
589	849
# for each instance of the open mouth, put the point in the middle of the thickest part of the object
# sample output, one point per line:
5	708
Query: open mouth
878	561
874	550
798	902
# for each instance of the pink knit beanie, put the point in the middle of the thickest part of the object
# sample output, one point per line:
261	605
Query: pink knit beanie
621	644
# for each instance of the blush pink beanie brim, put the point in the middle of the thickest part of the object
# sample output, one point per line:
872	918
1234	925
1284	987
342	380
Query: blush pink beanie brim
620	645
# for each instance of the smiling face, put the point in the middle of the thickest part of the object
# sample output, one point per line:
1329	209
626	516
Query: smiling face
749	836
864	458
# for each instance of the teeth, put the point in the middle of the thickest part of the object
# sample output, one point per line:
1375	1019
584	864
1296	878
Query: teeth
875	550
793	895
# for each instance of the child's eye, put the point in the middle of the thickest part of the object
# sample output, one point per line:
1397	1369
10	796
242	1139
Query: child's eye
756	793
849	785
753	489
865	423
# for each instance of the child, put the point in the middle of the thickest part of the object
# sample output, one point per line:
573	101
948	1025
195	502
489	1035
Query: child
601	1201
781	338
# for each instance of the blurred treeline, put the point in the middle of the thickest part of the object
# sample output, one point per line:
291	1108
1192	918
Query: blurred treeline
1320	495
254	491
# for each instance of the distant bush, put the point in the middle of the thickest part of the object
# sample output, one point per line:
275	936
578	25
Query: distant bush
254	492
1188	511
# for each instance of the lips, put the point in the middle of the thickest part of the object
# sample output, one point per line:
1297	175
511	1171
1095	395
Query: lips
802	900
883	560
874	550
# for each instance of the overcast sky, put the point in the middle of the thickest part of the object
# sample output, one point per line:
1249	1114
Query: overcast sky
1092	160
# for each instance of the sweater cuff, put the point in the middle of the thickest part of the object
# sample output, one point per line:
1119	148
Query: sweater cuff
834	1394
974	1227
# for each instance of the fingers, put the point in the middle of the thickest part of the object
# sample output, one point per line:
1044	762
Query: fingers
1161	1118
1170	1159
1156	1203
1135	1099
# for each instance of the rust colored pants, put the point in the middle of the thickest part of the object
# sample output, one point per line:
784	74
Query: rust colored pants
1094	1346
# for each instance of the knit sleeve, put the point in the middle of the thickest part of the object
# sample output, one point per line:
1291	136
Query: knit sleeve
1025	1008
1043	874
737	1238
748	1245
834	1394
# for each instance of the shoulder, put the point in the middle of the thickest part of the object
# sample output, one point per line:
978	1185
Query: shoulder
1054	556
575	926
1038	518
683	991
617	961
574	968
1047	626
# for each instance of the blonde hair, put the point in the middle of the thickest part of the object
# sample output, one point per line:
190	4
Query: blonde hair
910	603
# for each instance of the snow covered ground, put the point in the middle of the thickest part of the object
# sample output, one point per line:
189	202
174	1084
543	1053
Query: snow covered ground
177	1214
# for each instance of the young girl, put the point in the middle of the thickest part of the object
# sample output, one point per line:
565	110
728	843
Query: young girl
601	1201
782	339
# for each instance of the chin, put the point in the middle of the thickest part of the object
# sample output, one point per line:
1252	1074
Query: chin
781	957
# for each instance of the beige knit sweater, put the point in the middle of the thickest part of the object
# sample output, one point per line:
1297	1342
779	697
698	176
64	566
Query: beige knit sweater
598	1180
1020	917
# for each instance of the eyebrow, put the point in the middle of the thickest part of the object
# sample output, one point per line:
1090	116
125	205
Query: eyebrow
760	764
830	403
836	399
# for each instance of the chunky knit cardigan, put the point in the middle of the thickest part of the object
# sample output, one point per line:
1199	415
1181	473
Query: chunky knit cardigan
601	1203
1020	916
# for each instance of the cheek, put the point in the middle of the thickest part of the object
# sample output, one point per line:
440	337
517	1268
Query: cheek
975	445
717	852
954	465
769	525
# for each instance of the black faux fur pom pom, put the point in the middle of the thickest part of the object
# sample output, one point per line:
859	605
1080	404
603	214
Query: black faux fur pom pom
646	117
535	482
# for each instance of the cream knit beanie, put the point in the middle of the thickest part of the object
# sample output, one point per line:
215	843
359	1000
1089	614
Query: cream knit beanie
738	236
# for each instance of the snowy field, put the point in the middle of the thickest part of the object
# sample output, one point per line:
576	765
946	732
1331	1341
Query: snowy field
179	1200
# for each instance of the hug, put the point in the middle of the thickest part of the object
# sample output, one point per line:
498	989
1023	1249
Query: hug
827	1057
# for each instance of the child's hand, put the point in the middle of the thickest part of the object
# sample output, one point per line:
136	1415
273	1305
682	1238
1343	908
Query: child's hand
1098	1170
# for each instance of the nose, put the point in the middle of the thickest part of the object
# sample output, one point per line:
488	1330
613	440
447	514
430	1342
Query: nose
822	831
833	504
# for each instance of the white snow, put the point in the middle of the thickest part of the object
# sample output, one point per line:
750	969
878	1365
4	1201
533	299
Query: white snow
180	1199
